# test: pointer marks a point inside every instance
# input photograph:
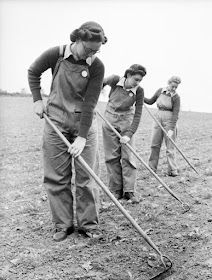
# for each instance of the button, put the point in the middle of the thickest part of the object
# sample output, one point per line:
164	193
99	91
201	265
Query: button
84	74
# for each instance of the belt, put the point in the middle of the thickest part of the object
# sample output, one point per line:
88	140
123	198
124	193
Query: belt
117	114
165	109
80	112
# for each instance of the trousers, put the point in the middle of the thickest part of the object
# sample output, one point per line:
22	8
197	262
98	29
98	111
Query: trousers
120	162
58	176
164	118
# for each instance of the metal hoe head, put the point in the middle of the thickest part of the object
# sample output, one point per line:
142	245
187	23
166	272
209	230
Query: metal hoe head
166	271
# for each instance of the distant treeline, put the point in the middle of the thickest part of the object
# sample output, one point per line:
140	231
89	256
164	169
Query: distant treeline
22	93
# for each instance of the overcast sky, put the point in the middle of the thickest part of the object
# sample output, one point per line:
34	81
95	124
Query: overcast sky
167	37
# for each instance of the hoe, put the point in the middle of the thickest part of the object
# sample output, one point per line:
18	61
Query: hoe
170	139
185	206
164	259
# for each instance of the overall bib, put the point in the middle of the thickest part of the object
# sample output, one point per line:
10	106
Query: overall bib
64	109
164	116
120	162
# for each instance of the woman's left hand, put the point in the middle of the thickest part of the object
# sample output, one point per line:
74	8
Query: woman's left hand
124	139
77	147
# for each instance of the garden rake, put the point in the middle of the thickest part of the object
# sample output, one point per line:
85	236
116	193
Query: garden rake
164	259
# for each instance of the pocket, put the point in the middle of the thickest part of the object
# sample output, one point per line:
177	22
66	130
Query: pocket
77	117
128	102
51	98
56	114
77	76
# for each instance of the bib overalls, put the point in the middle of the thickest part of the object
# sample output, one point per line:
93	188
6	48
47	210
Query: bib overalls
164	116
64	108
120	162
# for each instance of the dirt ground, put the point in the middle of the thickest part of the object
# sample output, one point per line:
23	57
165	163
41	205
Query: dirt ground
27	249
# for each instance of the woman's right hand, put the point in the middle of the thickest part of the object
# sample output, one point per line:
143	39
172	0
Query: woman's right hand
77	146
124	139
39	108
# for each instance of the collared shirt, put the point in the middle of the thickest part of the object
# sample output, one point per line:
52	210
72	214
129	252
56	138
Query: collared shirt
48	60
175	104
166	91
68	52
121	83
135	99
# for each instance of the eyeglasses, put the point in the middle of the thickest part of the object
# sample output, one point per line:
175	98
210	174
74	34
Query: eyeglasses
89	50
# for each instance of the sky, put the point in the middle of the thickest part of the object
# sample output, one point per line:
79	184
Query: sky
167	37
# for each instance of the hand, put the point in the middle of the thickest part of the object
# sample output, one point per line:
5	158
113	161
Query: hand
77	147
39	108
170	133
125	139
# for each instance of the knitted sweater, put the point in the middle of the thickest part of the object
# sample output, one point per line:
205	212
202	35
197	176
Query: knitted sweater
175	105
48	60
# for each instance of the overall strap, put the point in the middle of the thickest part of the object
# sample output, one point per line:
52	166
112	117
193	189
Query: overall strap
61	50
60	58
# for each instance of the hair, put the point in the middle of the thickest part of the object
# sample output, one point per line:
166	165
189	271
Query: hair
135	69
89	31
175	79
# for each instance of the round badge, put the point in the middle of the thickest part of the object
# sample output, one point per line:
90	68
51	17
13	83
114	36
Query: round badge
84	73
130	94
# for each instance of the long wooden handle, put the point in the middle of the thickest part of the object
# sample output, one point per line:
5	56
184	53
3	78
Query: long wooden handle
143	162
105	189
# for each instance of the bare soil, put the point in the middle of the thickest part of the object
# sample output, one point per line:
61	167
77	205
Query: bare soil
27	249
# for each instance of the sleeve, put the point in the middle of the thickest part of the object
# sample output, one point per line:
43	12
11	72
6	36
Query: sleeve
46	60
91	97
138	112
176	110
153	99
111	80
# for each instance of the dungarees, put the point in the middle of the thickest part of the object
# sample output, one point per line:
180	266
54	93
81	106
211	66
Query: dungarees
64	107
120	162
164	116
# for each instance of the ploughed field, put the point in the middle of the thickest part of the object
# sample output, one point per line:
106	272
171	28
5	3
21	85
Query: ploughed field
27	249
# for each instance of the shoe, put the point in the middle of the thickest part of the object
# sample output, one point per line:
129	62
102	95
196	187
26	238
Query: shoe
173	173
91	232
118	194
61	233
131	196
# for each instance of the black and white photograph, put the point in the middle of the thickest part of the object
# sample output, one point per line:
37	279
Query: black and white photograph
105	140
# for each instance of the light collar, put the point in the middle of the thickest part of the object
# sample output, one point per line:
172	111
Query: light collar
121	84
68	52
166	91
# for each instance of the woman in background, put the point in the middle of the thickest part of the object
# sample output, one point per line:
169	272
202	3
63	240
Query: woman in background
168	103
125	117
